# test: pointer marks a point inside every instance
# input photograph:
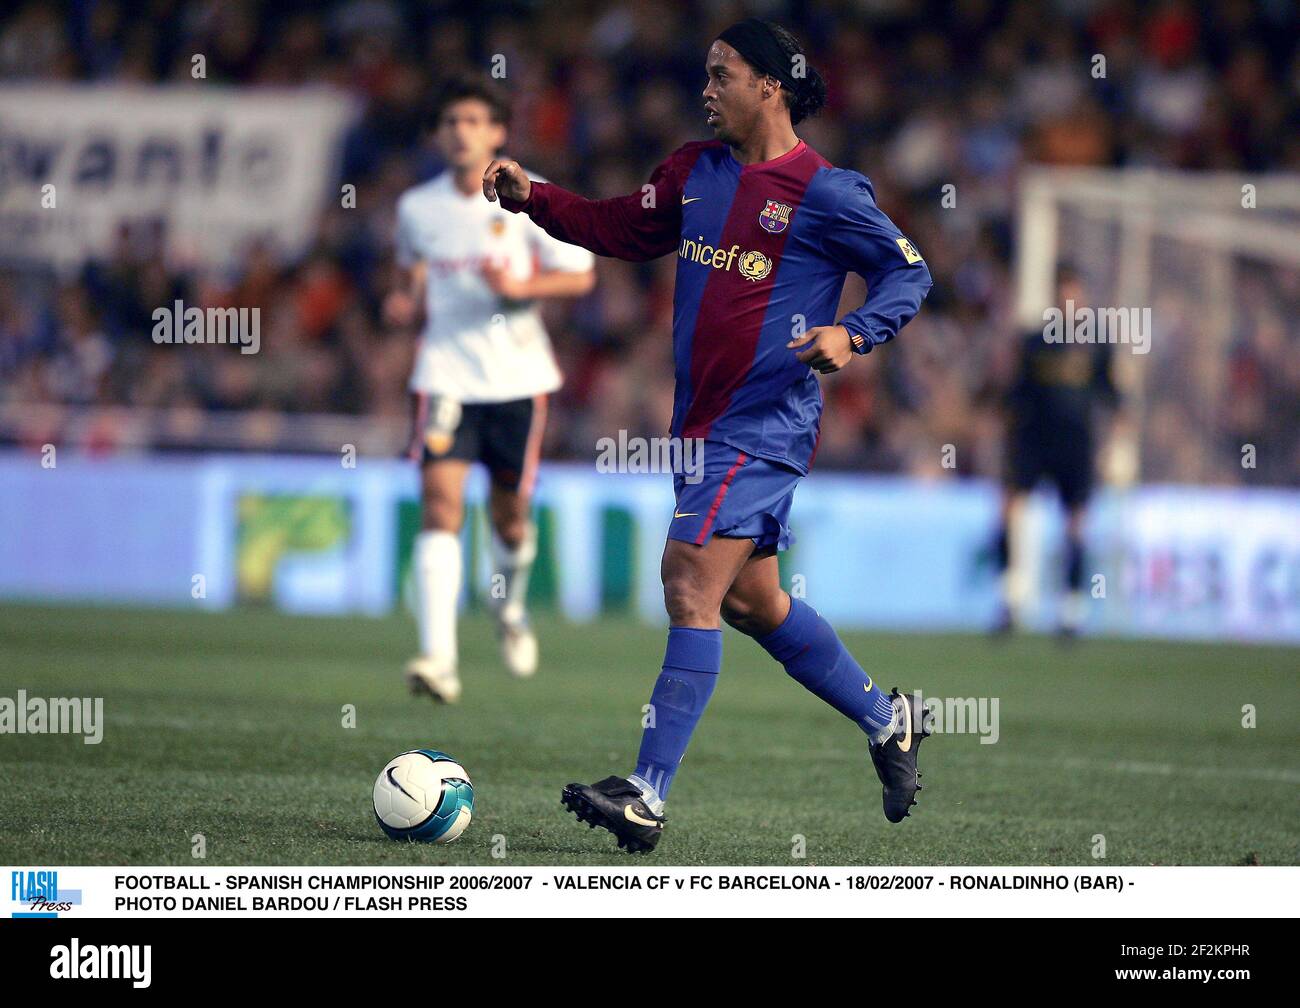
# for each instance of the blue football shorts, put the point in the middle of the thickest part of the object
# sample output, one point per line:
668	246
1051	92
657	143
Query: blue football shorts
739	497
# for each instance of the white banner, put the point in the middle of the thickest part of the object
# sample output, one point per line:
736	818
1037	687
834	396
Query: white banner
648	891
220	167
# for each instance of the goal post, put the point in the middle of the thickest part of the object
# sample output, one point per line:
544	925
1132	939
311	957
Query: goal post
1214	261
1215	258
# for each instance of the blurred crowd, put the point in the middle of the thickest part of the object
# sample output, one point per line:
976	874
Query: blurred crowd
923	95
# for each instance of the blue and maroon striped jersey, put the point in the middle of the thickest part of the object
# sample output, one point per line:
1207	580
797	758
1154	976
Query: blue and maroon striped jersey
763	250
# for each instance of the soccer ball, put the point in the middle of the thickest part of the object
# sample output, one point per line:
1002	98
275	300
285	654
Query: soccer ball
423	795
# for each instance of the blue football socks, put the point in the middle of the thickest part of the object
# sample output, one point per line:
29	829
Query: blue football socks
692	662
815	658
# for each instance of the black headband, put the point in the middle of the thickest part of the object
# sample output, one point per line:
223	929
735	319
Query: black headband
757	43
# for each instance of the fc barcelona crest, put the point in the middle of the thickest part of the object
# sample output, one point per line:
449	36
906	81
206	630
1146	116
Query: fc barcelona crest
775	217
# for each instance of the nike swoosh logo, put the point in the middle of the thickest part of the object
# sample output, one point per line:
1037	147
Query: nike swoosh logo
632	817
691	200
866	688
688	514
906	744
393	781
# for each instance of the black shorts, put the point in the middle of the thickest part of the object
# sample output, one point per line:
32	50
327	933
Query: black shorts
506	437
1062	455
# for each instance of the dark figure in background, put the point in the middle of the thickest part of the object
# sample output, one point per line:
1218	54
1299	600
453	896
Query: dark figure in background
1051	408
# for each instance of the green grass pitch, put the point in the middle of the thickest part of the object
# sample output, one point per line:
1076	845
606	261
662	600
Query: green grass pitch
231	726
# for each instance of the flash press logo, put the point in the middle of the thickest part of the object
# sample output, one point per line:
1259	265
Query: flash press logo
239	326
37	894
76	961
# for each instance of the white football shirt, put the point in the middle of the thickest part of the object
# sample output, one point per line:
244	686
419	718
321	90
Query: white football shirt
478	347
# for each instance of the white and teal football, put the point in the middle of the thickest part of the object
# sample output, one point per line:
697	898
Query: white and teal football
424	795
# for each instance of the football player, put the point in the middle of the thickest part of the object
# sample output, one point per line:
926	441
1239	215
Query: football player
483	370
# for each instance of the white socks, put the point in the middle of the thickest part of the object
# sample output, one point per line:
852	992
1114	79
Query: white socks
437	563
513	565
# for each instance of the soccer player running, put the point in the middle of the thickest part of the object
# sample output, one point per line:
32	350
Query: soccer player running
1051	406
483	369
765	230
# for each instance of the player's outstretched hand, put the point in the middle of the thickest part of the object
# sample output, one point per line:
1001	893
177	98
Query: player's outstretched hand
505	177
824	348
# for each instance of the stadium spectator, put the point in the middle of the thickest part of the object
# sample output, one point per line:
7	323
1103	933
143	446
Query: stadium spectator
922	95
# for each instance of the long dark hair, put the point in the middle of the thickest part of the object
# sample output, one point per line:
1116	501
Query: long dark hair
810	98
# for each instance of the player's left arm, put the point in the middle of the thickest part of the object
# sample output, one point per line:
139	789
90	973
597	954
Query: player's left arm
862	239
544	284
563	270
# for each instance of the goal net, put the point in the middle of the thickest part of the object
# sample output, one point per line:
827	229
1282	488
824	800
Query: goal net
1208	267
1212	263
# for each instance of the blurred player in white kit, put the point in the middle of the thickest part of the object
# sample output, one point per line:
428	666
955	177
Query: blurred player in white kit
472	272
